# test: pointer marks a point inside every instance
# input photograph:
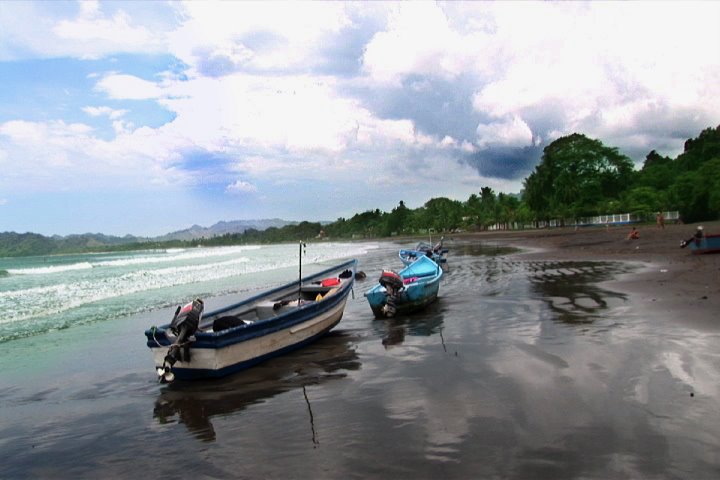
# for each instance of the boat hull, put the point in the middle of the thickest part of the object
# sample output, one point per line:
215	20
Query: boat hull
707	244
422	284
282	322
219	362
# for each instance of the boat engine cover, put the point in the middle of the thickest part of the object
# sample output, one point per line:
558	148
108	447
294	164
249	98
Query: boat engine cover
391	280
188	317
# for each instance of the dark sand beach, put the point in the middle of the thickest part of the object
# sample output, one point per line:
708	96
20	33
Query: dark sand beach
584	356
673	282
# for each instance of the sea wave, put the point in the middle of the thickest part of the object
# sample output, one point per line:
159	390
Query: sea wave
53	299
50	269
166	256
175	255
36	310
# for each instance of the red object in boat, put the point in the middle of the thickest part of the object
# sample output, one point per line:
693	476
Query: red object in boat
330	282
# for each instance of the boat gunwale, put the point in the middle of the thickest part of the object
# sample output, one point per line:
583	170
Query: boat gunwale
414	295
285	320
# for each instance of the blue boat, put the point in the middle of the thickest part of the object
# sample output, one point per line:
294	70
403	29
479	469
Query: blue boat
413	288
424	249
705	244
238	336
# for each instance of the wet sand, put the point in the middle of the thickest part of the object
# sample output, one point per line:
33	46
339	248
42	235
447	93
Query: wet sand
544	364
671	282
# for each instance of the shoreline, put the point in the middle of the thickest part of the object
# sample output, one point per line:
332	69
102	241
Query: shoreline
673	283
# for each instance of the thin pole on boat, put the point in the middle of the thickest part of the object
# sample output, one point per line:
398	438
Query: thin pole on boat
302	247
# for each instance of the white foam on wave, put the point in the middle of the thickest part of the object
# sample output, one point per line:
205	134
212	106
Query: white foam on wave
166	256
50	270
176	255
49	300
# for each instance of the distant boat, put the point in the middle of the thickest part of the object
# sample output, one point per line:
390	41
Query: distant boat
706	244
424	249
413	288
238	336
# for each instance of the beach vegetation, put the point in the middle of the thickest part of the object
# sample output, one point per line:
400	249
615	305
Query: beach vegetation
577	177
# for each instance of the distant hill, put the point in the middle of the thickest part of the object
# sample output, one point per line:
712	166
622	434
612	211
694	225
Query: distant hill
222	228
23	244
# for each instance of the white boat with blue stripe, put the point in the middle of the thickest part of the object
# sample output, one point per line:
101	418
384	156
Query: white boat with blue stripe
197	345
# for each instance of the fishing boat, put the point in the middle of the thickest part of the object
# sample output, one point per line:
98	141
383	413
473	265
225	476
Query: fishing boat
424	249
198	345
705	244
413	288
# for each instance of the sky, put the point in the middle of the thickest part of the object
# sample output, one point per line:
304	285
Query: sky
148	117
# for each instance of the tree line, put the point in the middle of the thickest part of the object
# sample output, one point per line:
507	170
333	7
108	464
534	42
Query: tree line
577	177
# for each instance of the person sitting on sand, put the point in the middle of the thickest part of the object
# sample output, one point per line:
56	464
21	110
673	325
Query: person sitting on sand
634	234
697	237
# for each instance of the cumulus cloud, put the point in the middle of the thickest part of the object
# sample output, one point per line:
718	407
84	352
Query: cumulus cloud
240	187
101	34
228	36
609	78
94	30
59	155
510	132
111	113
128	87
330	91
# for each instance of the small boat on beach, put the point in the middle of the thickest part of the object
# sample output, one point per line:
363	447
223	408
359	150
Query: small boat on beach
413	288
424	249
197	345
705	244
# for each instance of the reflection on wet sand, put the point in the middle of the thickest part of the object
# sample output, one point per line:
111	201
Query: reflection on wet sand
393	330
522	369
571	289
196	403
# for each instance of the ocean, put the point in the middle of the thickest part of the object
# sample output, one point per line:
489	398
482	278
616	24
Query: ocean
46	293
521	369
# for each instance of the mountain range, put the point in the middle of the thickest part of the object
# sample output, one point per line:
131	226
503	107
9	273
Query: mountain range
15	244
222	228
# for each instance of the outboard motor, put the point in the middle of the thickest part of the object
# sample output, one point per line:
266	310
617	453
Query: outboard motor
184	324
393	286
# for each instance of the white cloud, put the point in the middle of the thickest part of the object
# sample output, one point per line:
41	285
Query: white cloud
257	35
618	64
3	201
252	92
562	66
512	132
56	155
240	186
418	40
104	111
128	87
99	34
96	30
296	115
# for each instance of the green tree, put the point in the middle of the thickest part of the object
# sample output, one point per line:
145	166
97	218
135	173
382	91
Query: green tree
657	172
488	207
443	214
397	220
643	201
575	176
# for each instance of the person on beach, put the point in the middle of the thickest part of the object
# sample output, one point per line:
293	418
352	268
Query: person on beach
660	219
697	237
634	234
